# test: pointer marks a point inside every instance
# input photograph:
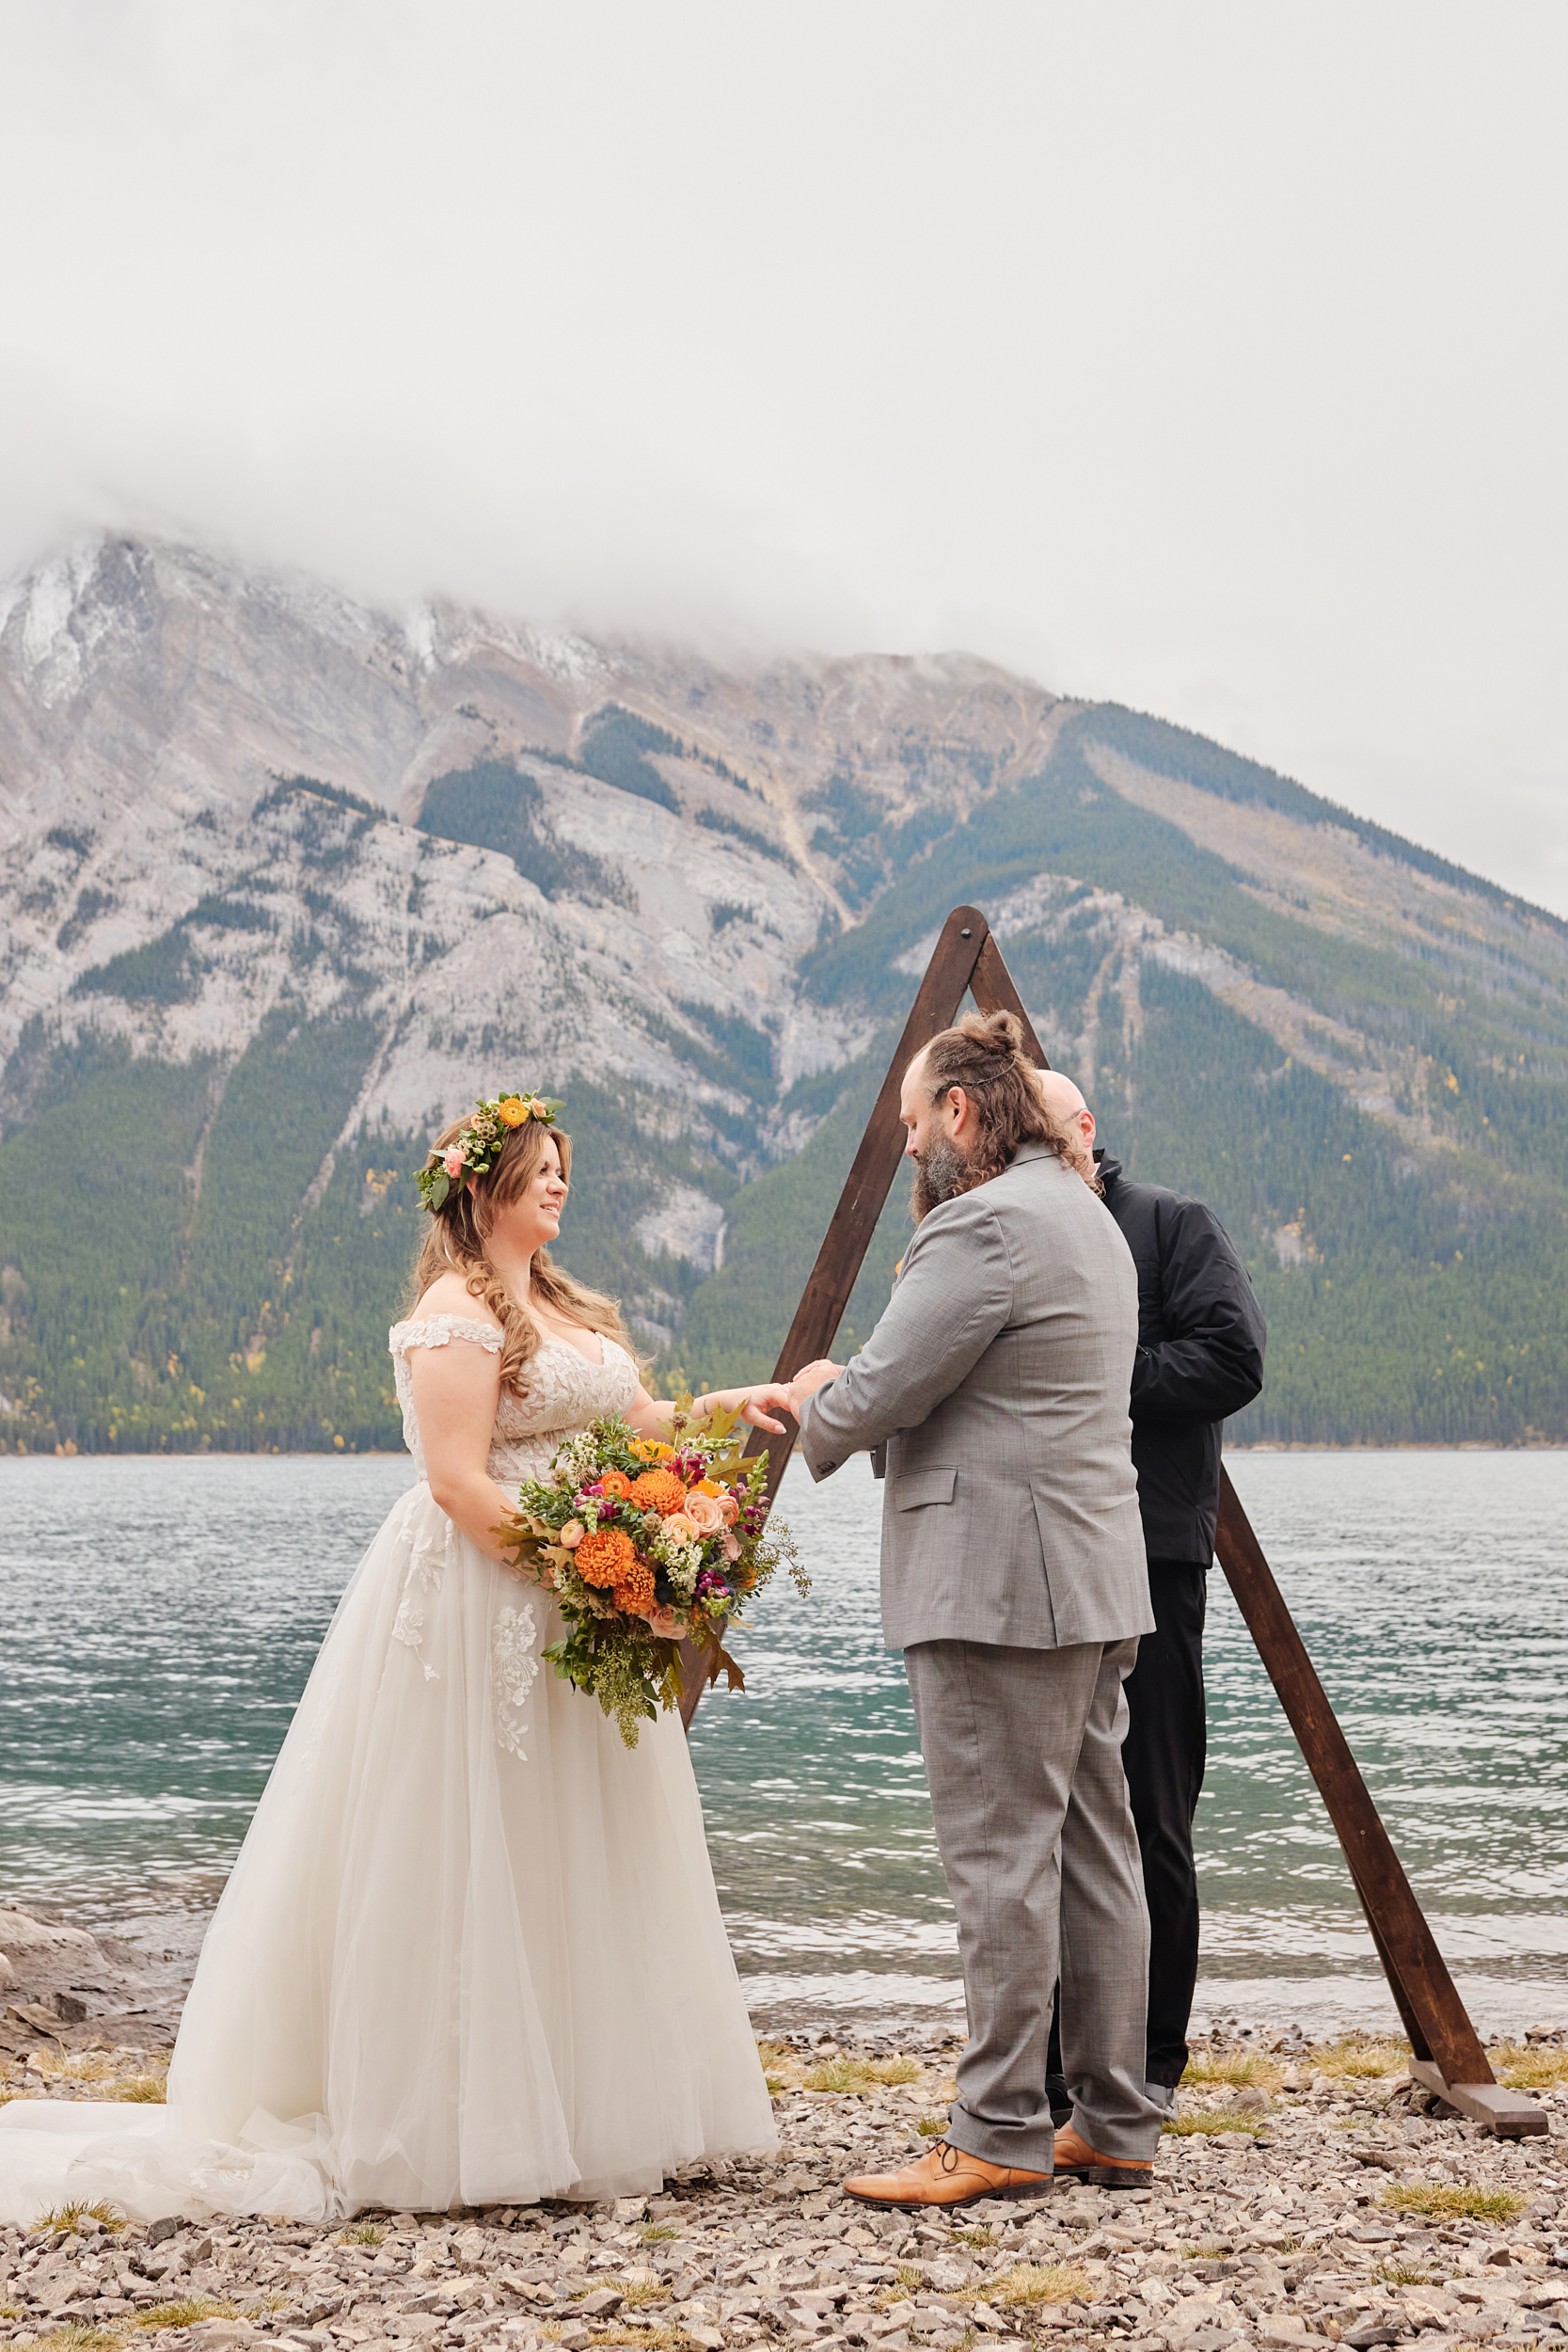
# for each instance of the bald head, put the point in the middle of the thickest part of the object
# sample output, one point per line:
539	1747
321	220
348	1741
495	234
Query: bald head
1068	1107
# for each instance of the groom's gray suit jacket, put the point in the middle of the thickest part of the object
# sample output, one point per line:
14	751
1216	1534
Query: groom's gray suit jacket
997	1381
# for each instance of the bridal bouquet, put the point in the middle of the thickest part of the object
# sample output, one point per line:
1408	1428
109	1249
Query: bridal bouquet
646	1545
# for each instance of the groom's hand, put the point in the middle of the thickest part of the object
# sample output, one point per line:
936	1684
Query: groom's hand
808	1380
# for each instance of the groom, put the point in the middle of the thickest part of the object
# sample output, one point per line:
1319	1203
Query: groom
993	1395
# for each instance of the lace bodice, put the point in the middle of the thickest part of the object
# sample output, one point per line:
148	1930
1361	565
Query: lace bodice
564	1392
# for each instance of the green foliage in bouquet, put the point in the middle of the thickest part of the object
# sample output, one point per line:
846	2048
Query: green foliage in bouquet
646	1543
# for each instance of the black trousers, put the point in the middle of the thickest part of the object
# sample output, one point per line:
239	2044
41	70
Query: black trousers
1163	1756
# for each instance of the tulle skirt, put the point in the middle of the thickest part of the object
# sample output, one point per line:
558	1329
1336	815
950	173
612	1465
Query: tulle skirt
470	1950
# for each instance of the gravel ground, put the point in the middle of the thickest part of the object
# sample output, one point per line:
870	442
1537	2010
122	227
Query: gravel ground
1319	2196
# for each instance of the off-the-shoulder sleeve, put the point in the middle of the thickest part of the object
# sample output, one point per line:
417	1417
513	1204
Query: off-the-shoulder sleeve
439	1330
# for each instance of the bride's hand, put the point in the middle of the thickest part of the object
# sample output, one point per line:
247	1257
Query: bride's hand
751	1403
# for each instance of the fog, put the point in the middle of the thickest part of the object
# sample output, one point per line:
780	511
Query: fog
1206	357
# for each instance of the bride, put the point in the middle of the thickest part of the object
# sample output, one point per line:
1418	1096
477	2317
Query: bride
471	1948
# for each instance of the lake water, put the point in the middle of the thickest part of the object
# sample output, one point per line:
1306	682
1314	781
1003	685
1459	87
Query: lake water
161	1616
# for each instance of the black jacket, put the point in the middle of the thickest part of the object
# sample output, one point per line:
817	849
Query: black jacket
1200	1357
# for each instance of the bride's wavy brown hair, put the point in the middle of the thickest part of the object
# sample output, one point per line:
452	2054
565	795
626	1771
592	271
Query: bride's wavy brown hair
457	1244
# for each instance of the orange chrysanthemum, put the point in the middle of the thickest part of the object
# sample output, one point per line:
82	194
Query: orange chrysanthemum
606	1556
616	1482
635	1592
658	1490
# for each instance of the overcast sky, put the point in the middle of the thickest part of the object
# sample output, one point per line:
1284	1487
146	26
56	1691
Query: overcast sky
1208	356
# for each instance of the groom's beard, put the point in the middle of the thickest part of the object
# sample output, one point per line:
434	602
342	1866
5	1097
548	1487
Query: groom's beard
940	1171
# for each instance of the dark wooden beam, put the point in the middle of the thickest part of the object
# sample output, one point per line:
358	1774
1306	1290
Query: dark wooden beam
994	992
1447	2050
965	936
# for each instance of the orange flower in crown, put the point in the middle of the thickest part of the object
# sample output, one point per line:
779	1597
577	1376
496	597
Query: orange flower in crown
479	1146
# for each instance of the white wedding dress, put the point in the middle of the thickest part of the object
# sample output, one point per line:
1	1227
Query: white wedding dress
471	1947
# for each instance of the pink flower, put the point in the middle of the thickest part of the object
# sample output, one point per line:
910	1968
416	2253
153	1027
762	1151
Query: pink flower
665	1622
680	1528
704	1512
729	1510
732	1549
452	1160
572	1535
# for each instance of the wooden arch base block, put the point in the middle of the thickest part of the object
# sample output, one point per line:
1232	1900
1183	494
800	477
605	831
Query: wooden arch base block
1448	2059
1502	2111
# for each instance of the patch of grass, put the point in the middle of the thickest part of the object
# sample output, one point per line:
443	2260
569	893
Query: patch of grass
635	2292
932	2126
983	2236
76	2066
72	2216
185	2311
1522	2067
656	2337
780	2070
908	2278
1211	2120
656	2233
1236	2067
363	2234
1400	2274
1215	2252
1474	2204
847	2074
143	2091
1351	2055
74	2337
1035	2282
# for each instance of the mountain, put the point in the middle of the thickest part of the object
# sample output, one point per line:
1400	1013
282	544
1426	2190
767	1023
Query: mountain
286	882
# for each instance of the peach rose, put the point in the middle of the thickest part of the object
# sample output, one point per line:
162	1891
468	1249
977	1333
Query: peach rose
452	1160
513	1112
732	1548
704	1512
572	1535
680	1528
665	1622
729	1510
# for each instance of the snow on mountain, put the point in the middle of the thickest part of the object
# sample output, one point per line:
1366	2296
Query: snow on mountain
154	699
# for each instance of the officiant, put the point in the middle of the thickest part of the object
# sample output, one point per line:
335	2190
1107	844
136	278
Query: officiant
1199	1360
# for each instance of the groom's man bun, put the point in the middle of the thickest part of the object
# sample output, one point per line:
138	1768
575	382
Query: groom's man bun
984	1053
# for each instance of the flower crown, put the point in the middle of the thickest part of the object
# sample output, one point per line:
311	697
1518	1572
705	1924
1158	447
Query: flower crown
479	1146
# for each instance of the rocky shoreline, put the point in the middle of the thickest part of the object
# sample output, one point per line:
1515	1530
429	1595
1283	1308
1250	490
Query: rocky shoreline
1304	2194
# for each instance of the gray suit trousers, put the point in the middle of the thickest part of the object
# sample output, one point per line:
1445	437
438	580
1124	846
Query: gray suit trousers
1022	1751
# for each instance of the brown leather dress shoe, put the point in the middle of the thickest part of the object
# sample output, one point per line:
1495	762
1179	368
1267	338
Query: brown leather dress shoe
945	2176
1074	2155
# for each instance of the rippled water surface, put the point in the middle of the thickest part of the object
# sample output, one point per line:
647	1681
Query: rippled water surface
162	1615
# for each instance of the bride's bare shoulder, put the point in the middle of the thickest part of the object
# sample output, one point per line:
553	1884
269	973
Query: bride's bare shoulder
449	1296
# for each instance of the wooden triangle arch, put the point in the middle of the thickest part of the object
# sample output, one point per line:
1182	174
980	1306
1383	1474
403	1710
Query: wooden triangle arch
1448	2059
